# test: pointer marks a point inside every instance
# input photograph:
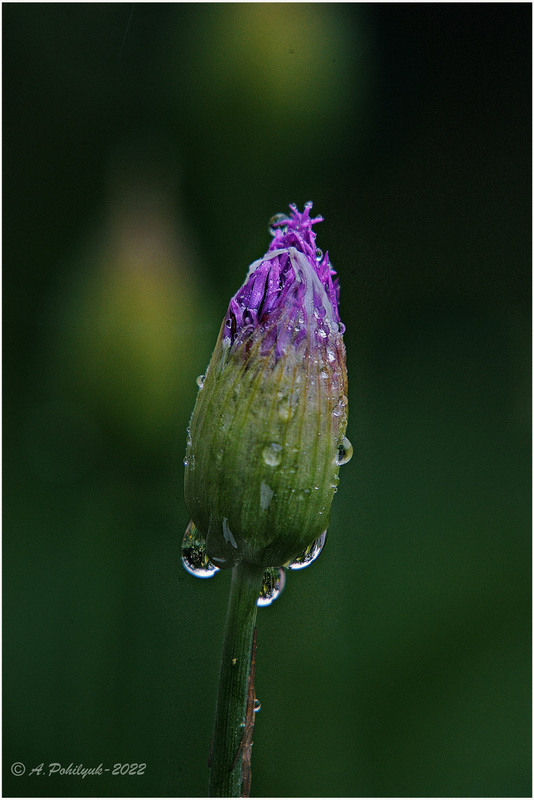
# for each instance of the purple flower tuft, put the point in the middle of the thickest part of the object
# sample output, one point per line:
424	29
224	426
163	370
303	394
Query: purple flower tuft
290	294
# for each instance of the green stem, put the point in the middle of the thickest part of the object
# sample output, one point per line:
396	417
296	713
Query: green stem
226	769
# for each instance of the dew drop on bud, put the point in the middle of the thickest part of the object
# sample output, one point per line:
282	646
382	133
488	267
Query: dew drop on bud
272	454
344	452
266	495
272	586
285	409
309	555
278	222
257	705
200	381
318	254
194	555
341	406
227	533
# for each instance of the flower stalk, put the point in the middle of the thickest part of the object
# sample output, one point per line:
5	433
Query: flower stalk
229	737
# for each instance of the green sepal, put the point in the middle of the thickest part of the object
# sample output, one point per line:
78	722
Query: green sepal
262	455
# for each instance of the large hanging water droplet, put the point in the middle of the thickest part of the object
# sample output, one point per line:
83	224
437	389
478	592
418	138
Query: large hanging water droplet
272	454
194	556
278	222
200	381
274	580
344	452
310	554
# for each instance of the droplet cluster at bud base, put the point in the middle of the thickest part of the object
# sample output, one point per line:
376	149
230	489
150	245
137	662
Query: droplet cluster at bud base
196	561
267	435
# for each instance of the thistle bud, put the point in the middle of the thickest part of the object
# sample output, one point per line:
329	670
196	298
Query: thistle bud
267	434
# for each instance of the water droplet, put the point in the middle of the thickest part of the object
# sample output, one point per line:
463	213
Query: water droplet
266	495
274	580
341	406
344	452
186	462
331	354
310	554
194	556
318	253
278	222
285	406
227	533
257	705
272	454
200	381
285	412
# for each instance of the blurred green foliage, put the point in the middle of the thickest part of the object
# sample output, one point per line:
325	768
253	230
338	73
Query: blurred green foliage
145	148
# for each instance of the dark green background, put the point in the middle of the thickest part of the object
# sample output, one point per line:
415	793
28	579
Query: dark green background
145	148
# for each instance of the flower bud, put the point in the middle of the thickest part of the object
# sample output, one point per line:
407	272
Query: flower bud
267	434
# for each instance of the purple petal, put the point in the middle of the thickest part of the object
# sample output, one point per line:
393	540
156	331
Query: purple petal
290	292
